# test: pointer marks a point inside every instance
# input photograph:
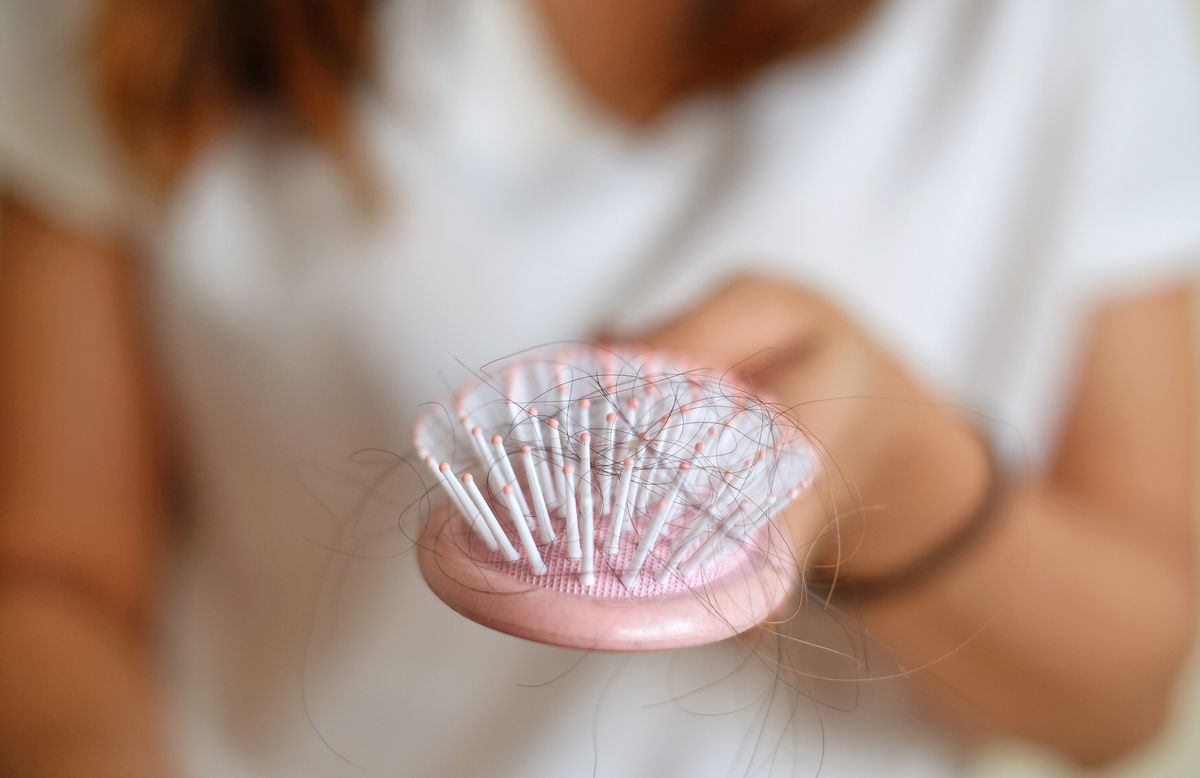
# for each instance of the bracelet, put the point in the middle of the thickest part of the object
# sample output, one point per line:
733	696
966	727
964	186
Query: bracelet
942	555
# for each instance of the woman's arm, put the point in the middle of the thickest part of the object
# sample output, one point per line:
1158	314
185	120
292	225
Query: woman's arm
80	505
1068	620
1089	573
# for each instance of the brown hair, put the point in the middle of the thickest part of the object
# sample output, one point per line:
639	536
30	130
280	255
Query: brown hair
172	72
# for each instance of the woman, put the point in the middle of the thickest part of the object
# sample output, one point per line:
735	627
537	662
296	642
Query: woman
266	247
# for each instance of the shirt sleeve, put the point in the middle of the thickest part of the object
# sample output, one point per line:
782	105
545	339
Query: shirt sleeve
1132	211
54	153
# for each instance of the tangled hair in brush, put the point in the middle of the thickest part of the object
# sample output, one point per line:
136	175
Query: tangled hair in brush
615	477
786	669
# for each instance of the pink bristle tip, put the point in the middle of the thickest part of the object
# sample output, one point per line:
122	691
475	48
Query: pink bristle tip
507	489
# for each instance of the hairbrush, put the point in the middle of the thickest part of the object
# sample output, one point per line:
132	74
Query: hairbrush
611	499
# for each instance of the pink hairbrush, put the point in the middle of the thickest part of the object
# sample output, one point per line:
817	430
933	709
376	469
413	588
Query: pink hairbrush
611	500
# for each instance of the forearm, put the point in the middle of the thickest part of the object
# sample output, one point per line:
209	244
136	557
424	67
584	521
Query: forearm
81	483
1058	625
76	695
1067	619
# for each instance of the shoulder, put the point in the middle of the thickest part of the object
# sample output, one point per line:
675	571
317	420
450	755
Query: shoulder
54	153
1131	204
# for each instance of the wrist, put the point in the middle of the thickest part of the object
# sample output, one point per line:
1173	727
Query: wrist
926	492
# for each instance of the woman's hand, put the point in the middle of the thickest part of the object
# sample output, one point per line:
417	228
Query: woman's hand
1086	568
902	470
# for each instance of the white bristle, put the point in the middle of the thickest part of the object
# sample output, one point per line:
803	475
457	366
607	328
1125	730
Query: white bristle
493	523
585	414
571	513
491	471
698	526
586	511
462	501
539	500
531	549
666	508
681	469
621	508
535	425
607	481
508	476
714	539
556	453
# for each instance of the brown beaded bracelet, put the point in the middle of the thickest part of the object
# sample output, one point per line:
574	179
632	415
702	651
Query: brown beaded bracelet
933	562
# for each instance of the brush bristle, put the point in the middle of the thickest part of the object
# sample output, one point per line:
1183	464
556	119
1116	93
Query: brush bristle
613	473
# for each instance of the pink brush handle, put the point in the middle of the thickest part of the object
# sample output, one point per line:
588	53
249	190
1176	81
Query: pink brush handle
739	599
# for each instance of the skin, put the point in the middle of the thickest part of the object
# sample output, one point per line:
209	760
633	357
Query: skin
1085	587
1106	530
614	50
1068	622
80	509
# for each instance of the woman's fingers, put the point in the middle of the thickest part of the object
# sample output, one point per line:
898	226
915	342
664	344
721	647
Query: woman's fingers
748	325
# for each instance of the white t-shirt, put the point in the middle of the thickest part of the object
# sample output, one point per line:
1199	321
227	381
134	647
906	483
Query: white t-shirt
966	179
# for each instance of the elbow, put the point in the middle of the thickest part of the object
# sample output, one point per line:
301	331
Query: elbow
1140	696
1126	732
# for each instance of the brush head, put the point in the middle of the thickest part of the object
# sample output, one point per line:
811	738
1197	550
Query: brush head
611	500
